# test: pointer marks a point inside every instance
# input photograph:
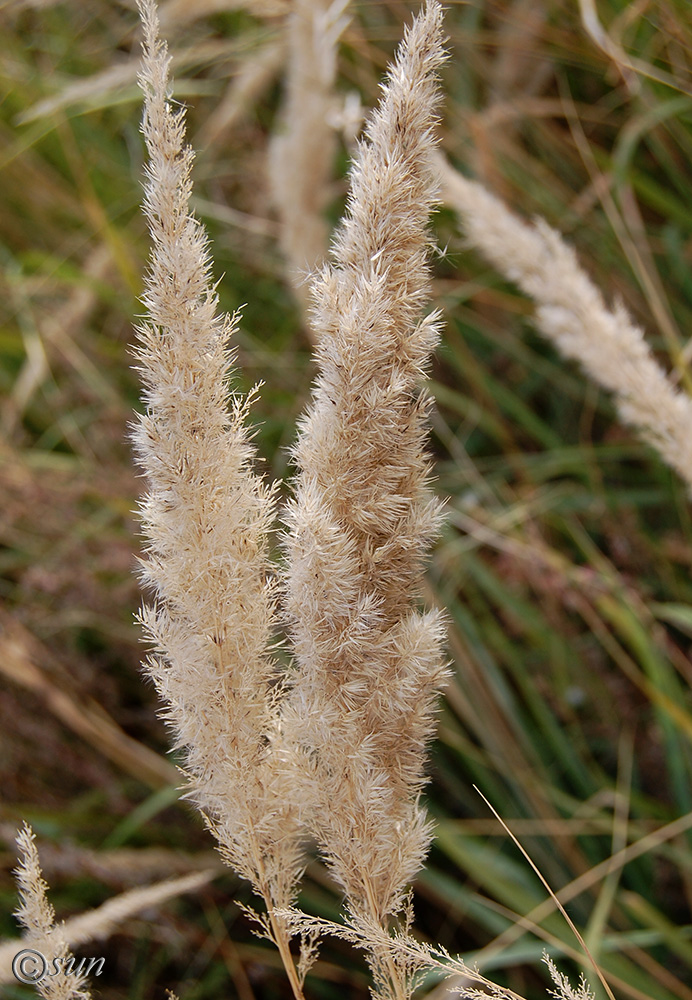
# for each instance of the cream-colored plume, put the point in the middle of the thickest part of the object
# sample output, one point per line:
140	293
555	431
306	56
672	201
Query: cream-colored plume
571	312
369	663
45	938
301	161
205	518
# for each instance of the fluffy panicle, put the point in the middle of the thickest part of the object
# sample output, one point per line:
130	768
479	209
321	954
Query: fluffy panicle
369	663
205	520
37	916
571	312
302	154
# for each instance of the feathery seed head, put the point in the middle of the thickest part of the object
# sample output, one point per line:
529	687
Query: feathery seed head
206	516
364	516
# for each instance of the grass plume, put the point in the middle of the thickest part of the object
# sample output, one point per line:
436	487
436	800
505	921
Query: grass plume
570	312
205	519
369	663
36	914
301	161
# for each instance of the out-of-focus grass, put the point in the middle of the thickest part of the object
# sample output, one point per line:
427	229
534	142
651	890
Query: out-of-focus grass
565	564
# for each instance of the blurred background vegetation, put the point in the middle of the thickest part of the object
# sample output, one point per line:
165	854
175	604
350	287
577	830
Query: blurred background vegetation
565	563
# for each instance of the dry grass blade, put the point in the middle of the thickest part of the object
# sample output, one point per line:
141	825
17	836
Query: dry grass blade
20	654
555	899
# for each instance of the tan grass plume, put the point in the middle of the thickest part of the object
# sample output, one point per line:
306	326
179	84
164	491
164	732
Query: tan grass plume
570	311
302	153
370	663
205	519
36	914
